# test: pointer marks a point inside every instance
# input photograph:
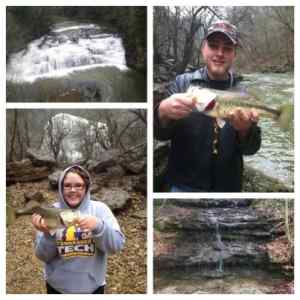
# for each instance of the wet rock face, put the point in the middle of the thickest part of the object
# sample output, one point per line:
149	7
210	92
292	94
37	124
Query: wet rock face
210	203
226	233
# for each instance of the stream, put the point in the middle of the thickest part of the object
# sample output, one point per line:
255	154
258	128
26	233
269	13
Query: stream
276	155
80	57
237	281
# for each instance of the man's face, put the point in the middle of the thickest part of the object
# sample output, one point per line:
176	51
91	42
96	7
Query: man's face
218	52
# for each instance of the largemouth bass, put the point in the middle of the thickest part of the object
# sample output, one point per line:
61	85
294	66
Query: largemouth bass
54	217
219	103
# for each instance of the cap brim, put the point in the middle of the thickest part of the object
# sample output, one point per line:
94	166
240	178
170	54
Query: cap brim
225	33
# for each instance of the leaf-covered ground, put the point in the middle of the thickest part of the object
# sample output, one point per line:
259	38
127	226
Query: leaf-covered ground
126	270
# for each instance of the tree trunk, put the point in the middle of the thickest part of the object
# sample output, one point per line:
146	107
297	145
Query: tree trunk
12	151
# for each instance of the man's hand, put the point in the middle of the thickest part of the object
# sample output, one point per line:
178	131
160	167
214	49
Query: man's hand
176	107
39	223
242	120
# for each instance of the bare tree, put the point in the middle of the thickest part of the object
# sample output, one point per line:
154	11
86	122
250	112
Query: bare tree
267	35
175	30
112	125
134	130
12	149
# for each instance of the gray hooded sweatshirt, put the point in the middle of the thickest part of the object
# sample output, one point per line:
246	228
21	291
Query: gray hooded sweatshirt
75	261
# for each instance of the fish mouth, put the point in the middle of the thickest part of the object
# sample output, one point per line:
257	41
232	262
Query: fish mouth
210	106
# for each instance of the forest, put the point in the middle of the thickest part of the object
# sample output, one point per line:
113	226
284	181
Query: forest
266	34
29	128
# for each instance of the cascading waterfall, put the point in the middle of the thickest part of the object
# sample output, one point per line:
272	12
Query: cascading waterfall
217	246
67	49
220	247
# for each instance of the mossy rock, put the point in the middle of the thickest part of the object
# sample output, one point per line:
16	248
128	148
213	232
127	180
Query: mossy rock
258	182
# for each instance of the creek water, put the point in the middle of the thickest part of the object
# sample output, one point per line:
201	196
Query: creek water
233	281
276	156
73	53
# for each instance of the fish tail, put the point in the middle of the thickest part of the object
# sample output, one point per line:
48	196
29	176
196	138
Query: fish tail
10	215
285	116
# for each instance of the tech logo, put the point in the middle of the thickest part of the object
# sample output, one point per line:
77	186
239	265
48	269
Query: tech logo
72	242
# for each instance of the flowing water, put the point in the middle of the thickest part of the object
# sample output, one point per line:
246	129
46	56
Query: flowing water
220	246
236	281
85	57
276	156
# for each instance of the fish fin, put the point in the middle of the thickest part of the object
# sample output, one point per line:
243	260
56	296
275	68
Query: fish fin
286	116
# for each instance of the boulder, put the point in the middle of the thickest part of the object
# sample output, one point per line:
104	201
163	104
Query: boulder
115	198
141	184
53	179
35	196
107	160
39	160
24	171
257	181
135	167
115	171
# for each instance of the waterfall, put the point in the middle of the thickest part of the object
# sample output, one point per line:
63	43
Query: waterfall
220	247
219	244
67	49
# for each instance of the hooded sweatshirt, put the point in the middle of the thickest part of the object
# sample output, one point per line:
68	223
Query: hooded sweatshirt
75	261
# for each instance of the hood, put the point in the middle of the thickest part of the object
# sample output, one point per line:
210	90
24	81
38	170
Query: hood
87	195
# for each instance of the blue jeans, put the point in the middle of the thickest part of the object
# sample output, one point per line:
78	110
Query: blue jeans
51	290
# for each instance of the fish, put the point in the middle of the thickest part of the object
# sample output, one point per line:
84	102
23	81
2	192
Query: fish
54	217
219	103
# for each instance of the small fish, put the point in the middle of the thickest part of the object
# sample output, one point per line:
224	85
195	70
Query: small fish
218	104
54	217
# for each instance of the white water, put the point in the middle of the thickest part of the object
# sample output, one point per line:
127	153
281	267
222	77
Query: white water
276	155
61	52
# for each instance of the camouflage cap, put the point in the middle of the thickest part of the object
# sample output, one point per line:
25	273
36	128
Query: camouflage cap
224	27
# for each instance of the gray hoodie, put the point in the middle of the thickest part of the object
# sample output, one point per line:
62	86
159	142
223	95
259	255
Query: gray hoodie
75	261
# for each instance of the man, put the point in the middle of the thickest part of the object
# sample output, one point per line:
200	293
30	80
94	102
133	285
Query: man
205	156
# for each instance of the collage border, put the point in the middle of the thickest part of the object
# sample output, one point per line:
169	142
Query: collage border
151	196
